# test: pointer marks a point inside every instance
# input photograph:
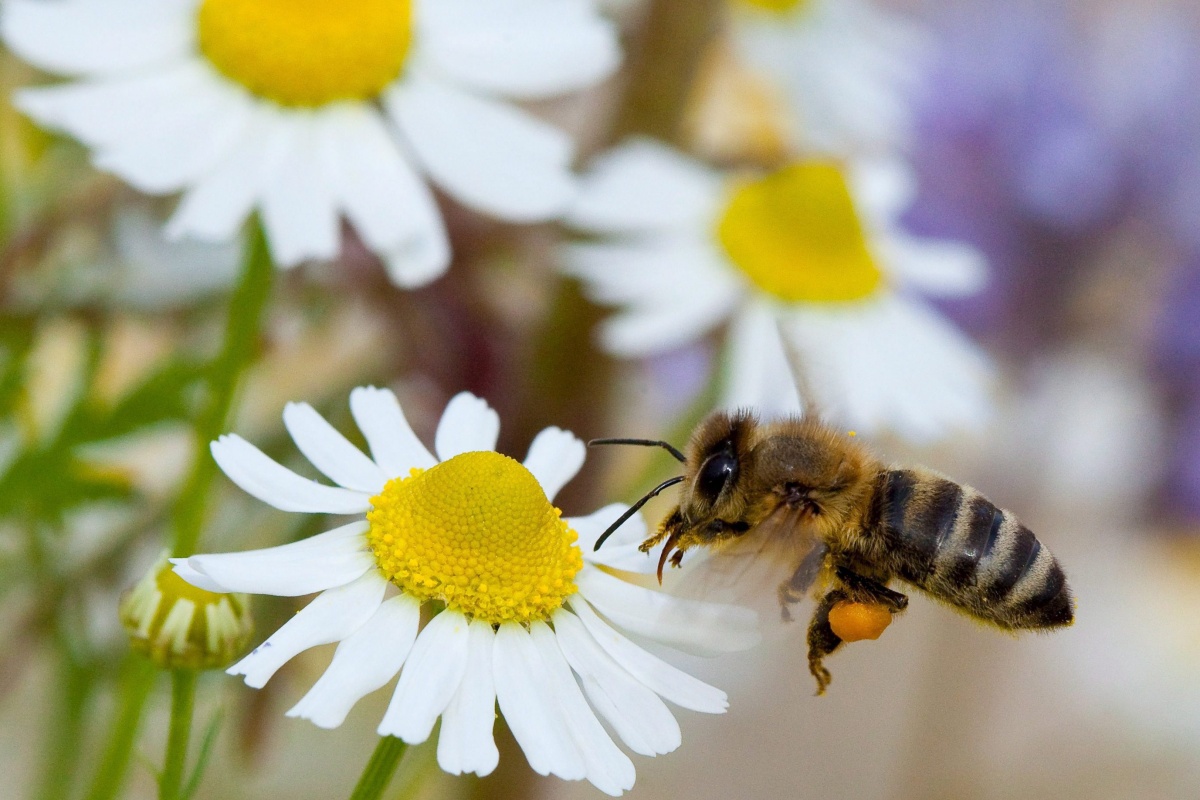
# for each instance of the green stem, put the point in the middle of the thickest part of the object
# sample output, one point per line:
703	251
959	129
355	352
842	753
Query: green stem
137	680
379	770
183	700
241	340
420	762
246	308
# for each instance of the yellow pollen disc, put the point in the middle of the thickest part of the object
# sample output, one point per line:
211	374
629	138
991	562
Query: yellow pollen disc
477	533
307	52
796	235
778	6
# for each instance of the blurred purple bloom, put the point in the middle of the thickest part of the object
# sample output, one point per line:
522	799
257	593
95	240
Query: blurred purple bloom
1039	136
1177	335
1182	490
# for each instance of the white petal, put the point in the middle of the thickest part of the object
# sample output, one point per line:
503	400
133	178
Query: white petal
197	579
848	71
179	139
298	209
488	155
620	550
892	363
648	270
468	425
420	263
329	451
331	617
521	681
465	740
644	331
635	712
320	562
519	48
276	485
555	457
388	203
940	268
362	663
667	681
690	625
394	446
883	188
432	675
608	769
80	38
674	289
113	110
216	206
760	374
643	186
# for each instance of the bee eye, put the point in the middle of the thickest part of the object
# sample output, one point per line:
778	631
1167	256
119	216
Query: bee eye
716	472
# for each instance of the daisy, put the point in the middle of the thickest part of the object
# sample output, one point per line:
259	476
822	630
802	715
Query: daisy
849	71
531	615
810	268
309	111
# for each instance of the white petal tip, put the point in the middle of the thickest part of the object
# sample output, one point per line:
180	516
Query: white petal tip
323	721
185	569
409	271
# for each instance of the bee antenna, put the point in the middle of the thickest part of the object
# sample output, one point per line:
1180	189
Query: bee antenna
635	507
644	443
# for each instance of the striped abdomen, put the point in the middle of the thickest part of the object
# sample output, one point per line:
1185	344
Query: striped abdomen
952	542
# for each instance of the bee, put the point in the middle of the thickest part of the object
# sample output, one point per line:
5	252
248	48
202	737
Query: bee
844	525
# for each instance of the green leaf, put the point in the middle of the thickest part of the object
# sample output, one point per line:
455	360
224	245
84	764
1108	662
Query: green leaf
164	396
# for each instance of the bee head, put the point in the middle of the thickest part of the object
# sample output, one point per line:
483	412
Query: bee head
738	472
720	458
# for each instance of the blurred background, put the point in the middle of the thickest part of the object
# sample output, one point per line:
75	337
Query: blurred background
1062	139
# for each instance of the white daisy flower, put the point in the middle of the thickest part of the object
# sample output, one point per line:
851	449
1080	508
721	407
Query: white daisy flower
848	70
809	259
531	614
310	111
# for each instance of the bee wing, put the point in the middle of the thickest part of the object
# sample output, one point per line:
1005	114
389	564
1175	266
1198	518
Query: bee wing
750	569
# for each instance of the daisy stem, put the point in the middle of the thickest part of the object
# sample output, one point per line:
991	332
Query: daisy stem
246	308
663	66
183	699
379	770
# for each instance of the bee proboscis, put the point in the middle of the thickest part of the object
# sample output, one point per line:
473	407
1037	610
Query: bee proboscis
845	525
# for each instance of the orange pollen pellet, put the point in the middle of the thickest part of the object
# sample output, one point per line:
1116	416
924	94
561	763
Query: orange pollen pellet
853	622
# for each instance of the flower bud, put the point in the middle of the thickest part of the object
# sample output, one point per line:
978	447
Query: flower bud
179	626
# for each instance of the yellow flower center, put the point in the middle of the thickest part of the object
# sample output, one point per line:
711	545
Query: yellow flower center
778	6
796	235
307	52
478	533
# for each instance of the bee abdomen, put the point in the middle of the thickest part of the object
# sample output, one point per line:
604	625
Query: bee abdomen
955	544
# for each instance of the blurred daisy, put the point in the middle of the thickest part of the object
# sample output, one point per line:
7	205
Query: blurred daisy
848	70
808	264
309	111
530	612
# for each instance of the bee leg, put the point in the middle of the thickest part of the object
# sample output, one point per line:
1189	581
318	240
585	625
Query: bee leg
864	590
822	640
664	530
795	589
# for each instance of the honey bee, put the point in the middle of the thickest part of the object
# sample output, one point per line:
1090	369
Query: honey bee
844	525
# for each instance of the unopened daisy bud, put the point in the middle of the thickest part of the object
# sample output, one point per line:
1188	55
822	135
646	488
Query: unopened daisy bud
179	626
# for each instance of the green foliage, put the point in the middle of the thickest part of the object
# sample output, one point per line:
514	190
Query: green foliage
49	475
